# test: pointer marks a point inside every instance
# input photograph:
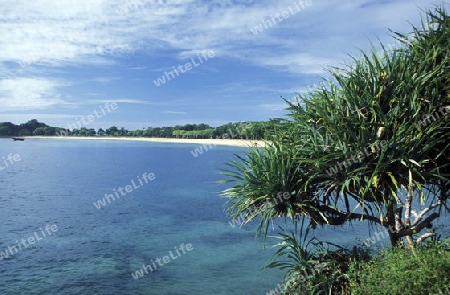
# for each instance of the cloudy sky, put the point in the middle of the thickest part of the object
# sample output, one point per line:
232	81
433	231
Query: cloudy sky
169	62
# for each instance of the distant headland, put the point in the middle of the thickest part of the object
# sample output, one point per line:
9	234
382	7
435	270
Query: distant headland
234	134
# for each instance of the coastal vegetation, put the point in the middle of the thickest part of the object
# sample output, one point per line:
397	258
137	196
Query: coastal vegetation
241	130
394	171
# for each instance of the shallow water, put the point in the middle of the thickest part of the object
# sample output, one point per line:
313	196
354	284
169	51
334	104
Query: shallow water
96	251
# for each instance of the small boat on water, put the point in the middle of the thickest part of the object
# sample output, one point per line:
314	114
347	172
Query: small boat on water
18	139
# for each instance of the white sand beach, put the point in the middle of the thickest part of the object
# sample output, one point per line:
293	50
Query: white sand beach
227	142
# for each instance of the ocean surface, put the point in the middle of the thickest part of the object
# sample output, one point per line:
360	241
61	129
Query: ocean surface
162	229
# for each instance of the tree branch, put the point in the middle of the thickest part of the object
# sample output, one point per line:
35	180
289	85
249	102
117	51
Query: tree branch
398	219
340	217
425	211
408	206
418	228
423	237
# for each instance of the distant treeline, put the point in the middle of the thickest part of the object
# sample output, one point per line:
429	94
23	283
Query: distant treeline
241	130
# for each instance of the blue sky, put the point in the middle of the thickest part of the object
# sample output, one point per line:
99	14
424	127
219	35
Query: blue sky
61	60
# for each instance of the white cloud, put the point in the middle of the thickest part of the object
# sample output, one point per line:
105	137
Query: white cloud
48	34
175	113
274	107
57	32
296	63
105	80
29	93
122	100
137	68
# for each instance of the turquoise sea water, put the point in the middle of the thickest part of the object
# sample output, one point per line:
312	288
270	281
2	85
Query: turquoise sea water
96	251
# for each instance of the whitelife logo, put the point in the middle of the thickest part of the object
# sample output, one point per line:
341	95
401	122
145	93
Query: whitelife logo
49	229
90	118
161	261
199	151
12	159
183	69
355	158
267	23
242	219
128	189
443	111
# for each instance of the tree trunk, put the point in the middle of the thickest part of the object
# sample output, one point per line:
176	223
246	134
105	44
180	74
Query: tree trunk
391	224
410	241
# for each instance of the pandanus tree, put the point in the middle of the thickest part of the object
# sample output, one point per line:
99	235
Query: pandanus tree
371	143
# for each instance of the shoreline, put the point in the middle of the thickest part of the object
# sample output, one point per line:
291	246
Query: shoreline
218	141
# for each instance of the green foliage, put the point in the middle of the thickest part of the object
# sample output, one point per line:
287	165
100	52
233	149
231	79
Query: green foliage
313	266
261	176
202	133
10	129
31	126
367	123
375	99
398	270
24	132
243	130
5	130
39	131
378	125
